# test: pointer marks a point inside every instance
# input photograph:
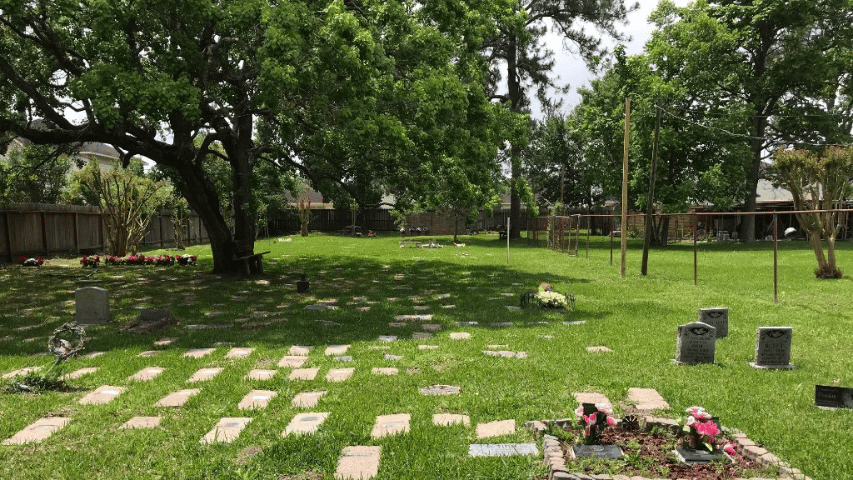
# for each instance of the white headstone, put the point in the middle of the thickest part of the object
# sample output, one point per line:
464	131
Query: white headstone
93	306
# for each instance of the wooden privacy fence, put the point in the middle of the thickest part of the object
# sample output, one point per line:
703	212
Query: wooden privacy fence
40	229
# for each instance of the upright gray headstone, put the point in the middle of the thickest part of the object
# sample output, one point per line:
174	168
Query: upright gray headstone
773	348
696	343
717	317
93	306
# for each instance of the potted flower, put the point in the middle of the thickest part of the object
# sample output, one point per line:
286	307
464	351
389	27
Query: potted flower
186	259
595	418
546	297
701	437
88	261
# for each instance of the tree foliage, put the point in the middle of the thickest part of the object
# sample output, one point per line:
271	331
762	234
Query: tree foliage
819	183
34	174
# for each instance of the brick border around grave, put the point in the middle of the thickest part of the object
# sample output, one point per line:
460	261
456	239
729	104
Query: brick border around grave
558	468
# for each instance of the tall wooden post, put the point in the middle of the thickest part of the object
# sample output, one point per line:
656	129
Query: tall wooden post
623	228
695	252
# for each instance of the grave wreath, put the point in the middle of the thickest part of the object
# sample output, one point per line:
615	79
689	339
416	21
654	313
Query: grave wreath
546	297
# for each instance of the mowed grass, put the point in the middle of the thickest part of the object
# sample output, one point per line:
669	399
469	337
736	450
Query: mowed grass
636	317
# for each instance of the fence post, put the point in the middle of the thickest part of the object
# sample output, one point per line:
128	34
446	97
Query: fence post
9	236
43	217
775	259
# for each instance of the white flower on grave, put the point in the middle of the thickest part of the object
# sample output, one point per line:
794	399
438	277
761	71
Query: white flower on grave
552	299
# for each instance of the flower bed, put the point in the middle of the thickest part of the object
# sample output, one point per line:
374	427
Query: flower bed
159	260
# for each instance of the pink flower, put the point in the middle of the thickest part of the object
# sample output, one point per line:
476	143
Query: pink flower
708	428
591	419
611	422
730	448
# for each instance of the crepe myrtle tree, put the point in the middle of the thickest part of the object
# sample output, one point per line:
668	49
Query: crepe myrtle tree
336	90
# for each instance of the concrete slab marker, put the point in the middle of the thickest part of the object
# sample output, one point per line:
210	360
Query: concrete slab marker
38	430
305	423
502	449
299	350
260	374
178	398
343	358
440	390
447	419
148	353
146	374
79	373
391	425
414	318
421	336
397	324
165	341
21	372
391	357
227	430
387	338
577	322
257	399
598	349
291	361
304	374
647	399
504	353
141	422
339	374
591	397
496	428
336	349
199	352
385	371
421	308
448	307
431	327
101	395
358	463
307	399
427	347
239	352
460	335
204	374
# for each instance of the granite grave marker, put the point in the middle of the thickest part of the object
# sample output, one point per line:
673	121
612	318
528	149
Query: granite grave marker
696	343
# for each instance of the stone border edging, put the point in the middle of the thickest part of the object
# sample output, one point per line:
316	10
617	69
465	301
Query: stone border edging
558	470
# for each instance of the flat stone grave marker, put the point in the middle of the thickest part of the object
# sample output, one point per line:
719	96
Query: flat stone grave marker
307	399
397	324
431	327
343	358
421	307
460	335
148	353
291	361
717	317
427	347
580	450
385	371
467	324
299	350
513	308
833	397
101	395
208	326
447	419
504	354
646	399
92	306
339	374
421	335
146	374
304	373
178	398
198	352
260	374
598	349
38	430
496	428
20	372
164	341
336	349
501	449
390	425
204	374
256	399
440	390
141	422
79	373
448	306
387	338
696	343
389	356
576	322
442	296
321	306
773	348
227	430
239	352
305	423
501	324
358	463
413	318
591	397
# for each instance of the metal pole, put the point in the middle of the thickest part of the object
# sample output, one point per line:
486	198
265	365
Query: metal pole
775	259
507	240
624	268
588	228
695	249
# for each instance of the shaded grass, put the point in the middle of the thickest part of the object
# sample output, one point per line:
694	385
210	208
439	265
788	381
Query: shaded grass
636	317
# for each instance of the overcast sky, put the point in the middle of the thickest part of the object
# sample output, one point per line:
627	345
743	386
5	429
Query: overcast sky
572	70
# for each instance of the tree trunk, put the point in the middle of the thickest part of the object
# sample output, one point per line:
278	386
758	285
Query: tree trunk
747	225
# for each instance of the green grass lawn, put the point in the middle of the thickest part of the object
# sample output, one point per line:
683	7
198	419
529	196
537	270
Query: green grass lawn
636	317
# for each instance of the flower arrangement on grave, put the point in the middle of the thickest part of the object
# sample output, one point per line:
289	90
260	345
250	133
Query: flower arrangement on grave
595	419
186	259
31	262
702	433
88	261
549	298
164	260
